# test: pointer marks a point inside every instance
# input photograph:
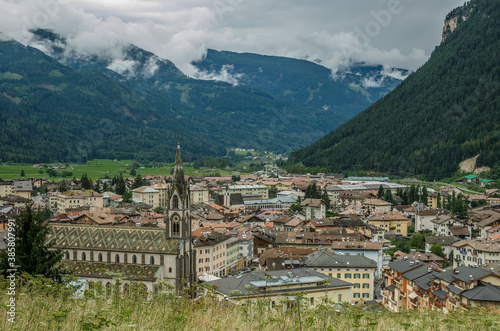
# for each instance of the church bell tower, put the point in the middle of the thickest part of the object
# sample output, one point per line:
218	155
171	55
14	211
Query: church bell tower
178	225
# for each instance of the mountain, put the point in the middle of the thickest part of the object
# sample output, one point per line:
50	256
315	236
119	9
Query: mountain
303	82
54	112
444	113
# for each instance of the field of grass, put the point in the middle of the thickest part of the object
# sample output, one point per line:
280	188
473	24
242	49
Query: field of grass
42	305
99	168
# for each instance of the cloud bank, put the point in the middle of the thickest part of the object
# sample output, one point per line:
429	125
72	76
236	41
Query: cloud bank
395	33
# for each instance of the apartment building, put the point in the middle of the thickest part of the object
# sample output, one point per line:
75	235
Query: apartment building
211	253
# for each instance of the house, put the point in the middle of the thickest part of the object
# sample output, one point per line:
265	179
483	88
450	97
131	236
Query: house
355	269
283	258
211	253
390	222
280	203
423	219
432	259
20	188
314	208
444	241
146	195
263	239
354	198
370	250
62	202
314	240
199	194
486	218
250	192
460	231
377	205
471	179
475	252
412	284
279	286
442	224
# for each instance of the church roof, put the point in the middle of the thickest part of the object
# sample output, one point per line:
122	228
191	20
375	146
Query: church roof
112	238
134	272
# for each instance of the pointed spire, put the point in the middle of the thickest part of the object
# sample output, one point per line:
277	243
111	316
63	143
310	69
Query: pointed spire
178	177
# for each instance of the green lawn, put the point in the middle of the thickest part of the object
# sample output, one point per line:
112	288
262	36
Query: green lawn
98	169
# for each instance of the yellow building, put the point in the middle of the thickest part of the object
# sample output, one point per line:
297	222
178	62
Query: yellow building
355	269
199	195
390	222
147	195
61	202
162	190
278	288
20	188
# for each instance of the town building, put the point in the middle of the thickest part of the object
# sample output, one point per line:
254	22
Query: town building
314	208
250	192
146	195
370	250
390	222
475	252
199	195
278	288
355	269
211	253
74	199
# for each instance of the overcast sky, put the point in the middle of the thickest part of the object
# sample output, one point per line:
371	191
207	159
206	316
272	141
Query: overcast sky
399	33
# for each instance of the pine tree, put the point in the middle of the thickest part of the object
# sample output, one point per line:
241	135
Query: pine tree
120	187
31	246
439	200
388	196
425	195
22	173
380	193
138	182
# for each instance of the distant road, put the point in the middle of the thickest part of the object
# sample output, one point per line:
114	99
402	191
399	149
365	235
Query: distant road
445	184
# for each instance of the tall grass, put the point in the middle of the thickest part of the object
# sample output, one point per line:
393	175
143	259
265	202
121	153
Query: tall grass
43	305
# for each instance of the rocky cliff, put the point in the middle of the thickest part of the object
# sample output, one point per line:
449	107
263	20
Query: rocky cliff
455	17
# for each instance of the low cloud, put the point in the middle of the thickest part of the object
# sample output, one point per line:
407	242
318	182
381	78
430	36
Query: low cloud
226	74
182	30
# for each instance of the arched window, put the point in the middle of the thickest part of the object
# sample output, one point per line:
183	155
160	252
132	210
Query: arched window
170	270
108	288
175	202
134	259
152	260
84	256
117	258
100	257
67	255
175	226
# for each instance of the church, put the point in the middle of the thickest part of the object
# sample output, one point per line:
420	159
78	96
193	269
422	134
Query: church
153	256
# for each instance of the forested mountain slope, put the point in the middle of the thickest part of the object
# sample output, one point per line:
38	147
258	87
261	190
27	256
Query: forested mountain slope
445	112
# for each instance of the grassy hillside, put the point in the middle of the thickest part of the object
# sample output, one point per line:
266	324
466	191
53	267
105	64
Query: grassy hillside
445	112
41	305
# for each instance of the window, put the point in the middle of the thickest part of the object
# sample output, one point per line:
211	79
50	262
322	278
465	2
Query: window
100	257
175	226
339	299
347	276
67	255
207	259
366	295
201	251
170	269
357	275
200	260
117	258
200	269
356	295
134	259
152	260
338	275
175	202
357	285
366	276
84	256
366	285
207	251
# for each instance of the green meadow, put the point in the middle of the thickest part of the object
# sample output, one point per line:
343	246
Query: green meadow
98	169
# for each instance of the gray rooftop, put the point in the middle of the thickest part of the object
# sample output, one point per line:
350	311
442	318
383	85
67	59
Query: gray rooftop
417	272
247	283
483	292
322	258
403	265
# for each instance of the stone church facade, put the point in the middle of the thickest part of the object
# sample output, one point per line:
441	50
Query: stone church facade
152	256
